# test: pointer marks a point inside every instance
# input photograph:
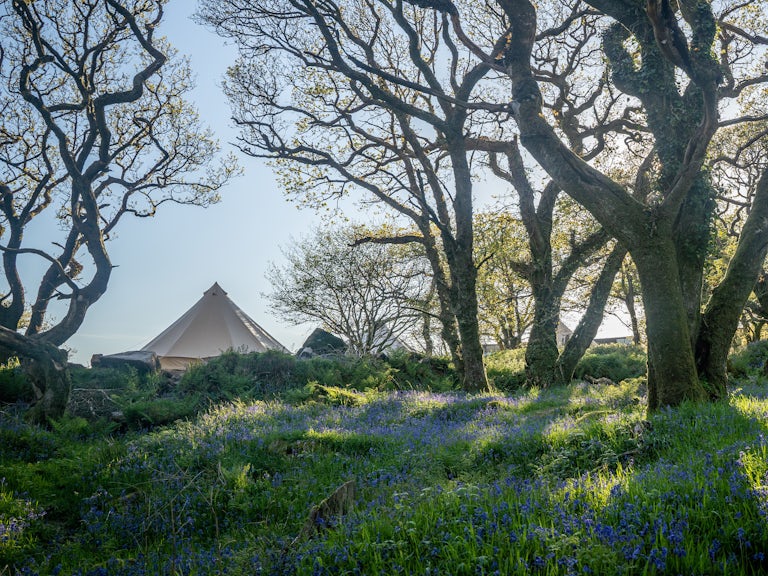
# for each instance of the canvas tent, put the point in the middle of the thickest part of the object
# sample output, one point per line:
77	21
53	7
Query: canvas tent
213	325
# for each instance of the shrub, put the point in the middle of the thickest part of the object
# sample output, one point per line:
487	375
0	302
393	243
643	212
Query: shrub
265	375
109	378
13	384
434	373
616	362
506	369
160	411
329	395
750	360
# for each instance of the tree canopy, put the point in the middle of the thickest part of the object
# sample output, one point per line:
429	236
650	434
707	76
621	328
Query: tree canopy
369	294
95	127
621	104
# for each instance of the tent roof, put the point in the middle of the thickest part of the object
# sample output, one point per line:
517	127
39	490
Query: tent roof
213	325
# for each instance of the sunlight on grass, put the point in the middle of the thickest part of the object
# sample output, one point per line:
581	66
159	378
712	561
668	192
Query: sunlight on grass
563	481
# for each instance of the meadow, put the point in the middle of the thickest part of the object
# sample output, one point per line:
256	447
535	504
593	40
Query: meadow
571	480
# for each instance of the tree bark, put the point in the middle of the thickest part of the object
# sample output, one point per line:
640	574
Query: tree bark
672	374
541	352
46	368
648	232
52	383
448	328
464	275
721	316
459	255
588	325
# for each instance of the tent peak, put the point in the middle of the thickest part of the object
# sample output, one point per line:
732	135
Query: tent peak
215	290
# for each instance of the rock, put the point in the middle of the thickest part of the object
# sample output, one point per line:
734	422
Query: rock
641	427
599	381
140	360
321	342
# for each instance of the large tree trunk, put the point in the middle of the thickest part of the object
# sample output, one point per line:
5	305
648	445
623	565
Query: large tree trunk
465	308
51	383
593	316
46	368
692	234
448	328
459	255
672	375
721	317
541	352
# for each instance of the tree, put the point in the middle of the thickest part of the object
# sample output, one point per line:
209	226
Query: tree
549	271
94	127
659	61
626	291
664	71
739	160
367	294
540	260
371	99
756	312
504	296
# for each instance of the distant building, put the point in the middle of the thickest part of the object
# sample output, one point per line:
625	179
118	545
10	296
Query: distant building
489	345
563	334
613	340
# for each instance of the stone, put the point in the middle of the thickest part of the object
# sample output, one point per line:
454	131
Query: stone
330	510
142	361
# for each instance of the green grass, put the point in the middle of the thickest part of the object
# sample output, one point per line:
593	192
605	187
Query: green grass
572	480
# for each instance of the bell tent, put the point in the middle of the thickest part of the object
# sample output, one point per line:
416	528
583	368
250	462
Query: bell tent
212	326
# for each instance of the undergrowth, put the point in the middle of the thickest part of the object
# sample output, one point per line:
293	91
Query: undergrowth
571	480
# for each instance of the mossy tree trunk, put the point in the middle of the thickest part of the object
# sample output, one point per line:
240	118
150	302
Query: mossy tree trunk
647	229
51	382
542	356
46	369
541	353
721	316
672	374
459	250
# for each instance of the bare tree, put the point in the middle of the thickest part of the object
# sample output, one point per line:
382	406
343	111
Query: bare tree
94	127
370	96
368	294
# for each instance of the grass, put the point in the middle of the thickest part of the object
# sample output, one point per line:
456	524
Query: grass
572	480
219	474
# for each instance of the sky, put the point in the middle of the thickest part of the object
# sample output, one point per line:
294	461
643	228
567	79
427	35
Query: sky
164	264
